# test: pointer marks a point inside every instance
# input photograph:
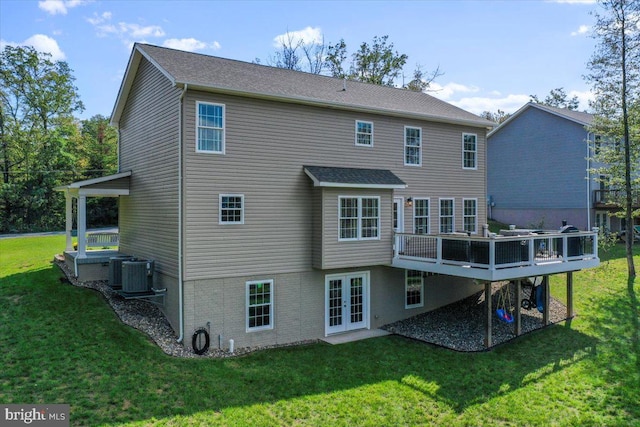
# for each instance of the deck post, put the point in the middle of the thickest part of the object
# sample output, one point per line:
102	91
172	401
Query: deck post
82	226
488	318
547	298
69	220
518	325
570	313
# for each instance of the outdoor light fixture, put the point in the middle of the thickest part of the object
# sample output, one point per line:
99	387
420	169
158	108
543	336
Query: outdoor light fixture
409	202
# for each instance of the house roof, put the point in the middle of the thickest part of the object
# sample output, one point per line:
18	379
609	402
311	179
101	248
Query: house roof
110	185
214	74
579	117
324	176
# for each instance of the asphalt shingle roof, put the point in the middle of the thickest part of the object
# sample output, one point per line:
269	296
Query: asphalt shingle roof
219	74
332	176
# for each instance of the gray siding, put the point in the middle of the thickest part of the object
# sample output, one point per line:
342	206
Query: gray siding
537	163
267	143
117	184
149	148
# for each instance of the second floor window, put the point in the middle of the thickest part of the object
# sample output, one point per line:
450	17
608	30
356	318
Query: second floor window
359	218
210	128
469	151
412	146
364	133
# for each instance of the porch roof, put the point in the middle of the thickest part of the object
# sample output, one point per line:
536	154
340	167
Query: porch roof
323	176
105	186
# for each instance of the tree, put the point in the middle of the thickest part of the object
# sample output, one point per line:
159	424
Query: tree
557	98
296	54
498	117
377	63
615	78
37	130
421	81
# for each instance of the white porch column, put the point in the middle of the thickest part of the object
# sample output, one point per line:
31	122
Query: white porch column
69	218
82	226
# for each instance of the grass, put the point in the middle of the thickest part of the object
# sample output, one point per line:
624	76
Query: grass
62	344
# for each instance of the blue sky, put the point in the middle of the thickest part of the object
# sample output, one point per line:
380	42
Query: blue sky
493	54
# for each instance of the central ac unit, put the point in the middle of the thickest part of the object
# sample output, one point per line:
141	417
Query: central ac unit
137	276
115	270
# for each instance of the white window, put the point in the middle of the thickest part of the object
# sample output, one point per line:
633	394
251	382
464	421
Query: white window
231	207
359	218
469	151
259	305
210	128
447	219
364	133
470	215
421	216
412	146
414	289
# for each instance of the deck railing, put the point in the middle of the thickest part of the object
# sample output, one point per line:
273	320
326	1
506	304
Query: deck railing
562	251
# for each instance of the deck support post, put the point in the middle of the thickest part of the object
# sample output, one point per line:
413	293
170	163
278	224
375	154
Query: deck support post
518	325
68	220
570	312
488	314
82	226
547	298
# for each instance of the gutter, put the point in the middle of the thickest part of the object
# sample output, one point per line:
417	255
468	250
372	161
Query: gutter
180	214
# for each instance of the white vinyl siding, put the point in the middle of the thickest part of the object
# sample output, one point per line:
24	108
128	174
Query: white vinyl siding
412	146
413	289
364	133
359	218
421	216
231	208
469	151
210	133
470	215
259	305
447	217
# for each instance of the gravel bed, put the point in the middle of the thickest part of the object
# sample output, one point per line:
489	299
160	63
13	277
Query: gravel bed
147	317
461	326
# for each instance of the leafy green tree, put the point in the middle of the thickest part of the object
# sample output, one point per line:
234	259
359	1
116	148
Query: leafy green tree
497	117
38	99
377	63
557	98
615	79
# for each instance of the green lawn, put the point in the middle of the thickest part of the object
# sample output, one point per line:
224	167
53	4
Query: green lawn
62	344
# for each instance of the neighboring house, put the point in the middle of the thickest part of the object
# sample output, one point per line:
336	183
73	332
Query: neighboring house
271	200
538	171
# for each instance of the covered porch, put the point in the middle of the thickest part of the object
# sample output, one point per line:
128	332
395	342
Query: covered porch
514	256
91	264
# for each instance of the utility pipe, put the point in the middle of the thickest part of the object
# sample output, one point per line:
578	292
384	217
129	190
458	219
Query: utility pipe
180	237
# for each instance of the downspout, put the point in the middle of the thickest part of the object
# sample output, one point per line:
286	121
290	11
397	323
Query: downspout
588	182
180	237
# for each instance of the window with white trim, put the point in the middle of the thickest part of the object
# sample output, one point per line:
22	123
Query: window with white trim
364	133
469	151
210	128
231	207
421	216
359	218
447	219
413	289
470	215
259	305
412	146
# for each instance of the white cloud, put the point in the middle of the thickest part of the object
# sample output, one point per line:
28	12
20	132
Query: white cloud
583	29
136	31
127	32
447	91
41	43
190	44
54	7
308	35
509	104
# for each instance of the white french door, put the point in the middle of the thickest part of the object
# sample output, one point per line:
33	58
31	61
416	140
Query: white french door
346	302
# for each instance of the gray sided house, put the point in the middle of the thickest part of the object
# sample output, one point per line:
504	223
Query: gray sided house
280	206
537	170
269	198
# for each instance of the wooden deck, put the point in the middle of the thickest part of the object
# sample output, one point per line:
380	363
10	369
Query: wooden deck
497	258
